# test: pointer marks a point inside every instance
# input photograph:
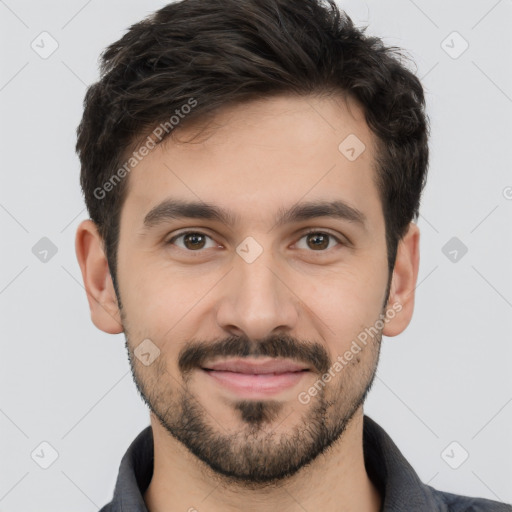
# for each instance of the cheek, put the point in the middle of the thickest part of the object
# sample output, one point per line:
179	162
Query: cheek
165	305
346	305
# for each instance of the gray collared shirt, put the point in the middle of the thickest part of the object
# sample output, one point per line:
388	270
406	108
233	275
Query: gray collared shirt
399	485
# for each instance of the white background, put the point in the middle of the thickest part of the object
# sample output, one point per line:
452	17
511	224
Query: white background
447	378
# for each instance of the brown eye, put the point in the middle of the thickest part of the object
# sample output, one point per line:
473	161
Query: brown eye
192	240
318	241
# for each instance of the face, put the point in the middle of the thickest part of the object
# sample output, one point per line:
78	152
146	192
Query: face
249	262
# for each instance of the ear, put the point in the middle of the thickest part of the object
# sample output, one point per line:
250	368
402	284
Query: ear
403	282
97	279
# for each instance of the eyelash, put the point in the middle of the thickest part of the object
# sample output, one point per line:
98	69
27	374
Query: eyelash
305	234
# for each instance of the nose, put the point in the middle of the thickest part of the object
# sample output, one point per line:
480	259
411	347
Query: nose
257	300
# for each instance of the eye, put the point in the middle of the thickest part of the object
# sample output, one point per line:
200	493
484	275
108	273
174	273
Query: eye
192	241
318	240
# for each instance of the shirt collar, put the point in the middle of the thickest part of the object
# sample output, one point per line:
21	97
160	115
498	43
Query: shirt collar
399	485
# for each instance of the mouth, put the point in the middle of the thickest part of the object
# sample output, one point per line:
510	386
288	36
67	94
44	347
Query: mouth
253	378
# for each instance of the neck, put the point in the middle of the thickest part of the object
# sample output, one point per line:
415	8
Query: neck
335	480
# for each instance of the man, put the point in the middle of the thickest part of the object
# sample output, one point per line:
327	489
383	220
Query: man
253	170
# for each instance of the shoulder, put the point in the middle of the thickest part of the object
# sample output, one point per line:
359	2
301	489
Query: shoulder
448	502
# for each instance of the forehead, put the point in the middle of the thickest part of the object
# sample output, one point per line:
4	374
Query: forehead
258	158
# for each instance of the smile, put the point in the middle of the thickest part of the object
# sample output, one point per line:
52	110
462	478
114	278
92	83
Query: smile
256	377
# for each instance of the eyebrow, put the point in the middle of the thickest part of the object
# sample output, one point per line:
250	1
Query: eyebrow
173	209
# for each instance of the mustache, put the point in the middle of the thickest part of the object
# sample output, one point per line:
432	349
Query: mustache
196	353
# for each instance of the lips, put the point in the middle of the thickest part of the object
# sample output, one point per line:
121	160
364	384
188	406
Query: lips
256	367
255	378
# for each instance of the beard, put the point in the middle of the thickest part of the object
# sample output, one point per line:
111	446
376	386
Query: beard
255	455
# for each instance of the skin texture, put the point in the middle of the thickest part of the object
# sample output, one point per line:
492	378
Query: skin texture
198	301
